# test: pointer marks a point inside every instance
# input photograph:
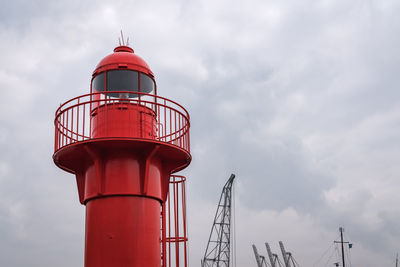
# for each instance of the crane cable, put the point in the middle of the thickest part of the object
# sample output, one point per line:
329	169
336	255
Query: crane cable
279	262
295	263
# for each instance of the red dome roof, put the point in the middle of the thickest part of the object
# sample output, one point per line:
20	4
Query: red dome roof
123	58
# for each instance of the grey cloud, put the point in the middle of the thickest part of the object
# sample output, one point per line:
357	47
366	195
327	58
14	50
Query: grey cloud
277	93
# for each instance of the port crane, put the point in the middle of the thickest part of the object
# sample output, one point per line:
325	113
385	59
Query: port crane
218	249
288	260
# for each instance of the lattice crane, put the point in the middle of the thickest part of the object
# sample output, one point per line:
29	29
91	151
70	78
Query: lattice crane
218	247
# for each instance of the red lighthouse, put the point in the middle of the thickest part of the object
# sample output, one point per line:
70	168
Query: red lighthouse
122	141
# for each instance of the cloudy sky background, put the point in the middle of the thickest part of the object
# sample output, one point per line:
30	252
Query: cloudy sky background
300	99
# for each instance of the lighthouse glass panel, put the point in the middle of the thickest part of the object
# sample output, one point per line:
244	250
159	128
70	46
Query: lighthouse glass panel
146	83
122	80
99	82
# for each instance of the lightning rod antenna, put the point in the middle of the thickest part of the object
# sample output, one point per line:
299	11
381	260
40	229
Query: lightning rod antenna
122	37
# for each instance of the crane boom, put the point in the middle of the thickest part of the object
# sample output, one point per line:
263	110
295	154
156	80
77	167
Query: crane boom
284	254
258	257
218	247
271	256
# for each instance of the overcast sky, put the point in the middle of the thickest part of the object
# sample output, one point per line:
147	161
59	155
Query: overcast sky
300	99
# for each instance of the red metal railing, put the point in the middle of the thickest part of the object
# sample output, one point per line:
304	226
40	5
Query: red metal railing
174	227
74	119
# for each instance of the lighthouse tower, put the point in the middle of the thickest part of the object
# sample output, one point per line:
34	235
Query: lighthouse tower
122	142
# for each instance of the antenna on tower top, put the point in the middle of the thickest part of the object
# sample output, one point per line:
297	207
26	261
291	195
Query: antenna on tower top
121	40
122	37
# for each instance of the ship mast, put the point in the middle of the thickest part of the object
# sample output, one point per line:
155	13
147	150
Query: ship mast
341	230
341	241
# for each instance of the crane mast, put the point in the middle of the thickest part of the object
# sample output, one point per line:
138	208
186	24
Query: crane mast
218	247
